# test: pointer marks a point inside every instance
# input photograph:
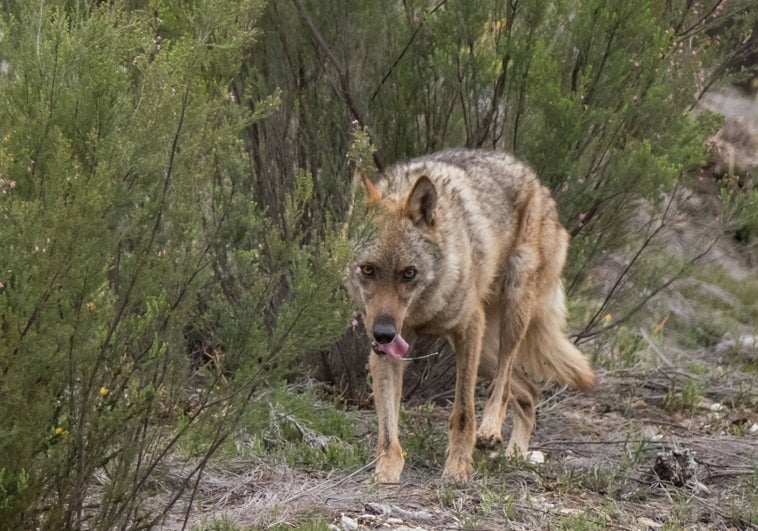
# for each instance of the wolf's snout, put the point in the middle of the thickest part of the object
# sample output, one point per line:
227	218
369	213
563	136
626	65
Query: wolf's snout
387	338
384	331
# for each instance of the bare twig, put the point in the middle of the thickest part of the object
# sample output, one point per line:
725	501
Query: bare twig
342	72
655	348
403	52
589	331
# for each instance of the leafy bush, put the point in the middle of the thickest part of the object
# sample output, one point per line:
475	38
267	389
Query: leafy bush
135	261
596	96
171	174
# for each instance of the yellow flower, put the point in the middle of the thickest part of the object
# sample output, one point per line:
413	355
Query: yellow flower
104	391
89	305
607	318
60	432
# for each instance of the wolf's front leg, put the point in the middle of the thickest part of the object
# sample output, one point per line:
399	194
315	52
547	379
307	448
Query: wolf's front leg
387	384
467	343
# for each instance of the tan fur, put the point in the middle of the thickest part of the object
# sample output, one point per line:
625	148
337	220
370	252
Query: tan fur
466	245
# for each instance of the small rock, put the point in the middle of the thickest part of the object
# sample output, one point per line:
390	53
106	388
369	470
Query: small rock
745	345
535	457
676	466
650	433
753	429
347	523
715	407
748	344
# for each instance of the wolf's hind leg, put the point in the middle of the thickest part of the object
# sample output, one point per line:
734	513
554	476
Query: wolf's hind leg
514	308
490	437
524	395
387	383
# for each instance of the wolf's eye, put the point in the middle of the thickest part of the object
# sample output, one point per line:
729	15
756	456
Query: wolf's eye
367	270
409	273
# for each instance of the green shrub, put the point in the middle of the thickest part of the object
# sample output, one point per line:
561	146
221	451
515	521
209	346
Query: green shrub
137	271
596	96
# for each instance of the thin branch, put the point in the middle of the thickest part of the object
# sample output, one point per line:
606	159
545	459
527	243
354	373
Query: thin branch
403	52
342	72
586	331
500	84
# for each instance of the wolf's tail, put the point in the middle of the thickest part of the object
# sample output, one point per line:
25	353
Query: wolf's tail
547	354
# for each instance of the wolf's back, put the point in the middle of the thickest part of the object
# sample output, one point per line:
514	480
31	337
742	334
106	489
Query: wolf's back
480	189
487	177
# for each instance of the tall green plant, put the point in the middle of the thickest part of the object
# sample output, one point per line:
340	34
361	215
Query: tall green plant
579	91
596	96
137	272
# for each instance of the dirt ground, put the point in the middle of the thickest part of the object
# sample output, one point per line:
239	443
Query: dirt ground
639	451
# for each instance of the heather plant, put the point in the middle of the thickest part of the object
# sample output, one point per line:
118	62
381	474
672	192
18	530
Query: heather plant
144	295
579	92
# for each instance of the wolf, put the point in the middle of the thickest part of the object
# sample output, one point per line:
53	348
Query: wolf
464	245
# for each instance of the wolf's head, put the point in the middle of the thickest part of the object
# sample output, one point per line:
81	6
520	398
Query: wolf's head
395	261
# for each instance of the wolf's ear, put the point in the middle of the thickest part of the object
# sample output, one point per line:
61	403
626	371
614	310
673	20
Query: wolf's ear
372	194
422	201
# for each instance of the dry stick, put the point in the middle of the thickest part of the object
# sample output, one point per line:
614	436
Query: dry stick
403	52
655	348
342	73
334	483
587	332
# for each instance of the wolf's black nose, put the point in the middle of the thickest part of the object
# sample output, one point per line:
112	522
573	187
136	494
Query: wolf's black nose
384	332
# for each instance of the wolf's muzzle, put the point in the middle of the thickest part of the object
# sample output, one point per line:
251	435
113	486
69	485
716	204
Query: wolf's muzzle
376	348
384	330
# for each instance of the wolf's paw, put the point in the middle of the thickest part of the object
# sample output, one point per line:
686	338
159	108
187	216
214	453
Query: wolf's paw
389	467
387	476
457	471
488	441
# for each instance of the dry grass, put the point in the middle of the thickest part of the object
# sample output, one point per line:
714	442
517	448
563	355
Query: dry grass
601	449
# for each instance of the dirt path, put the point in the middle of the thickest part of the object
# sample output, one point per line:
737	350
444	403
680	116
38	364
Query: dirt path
605	454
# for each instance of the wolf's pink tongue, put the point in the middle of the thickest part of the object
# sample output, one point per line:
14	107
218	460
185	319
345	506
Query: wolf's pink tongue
396	348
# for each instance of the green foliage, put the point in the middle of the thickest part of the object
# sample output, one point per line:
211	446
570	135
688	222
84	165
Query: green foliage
218	525
316	523
426	440
135	261
299	428
744	509
582	521
684	399
172	175
721	307
578	91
